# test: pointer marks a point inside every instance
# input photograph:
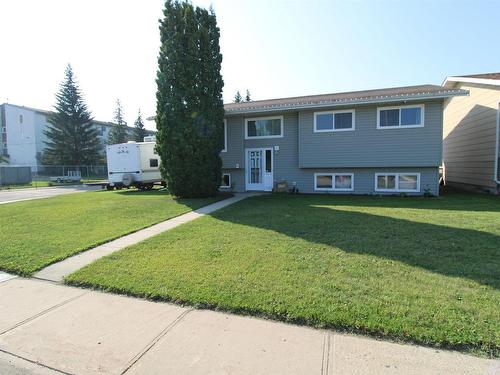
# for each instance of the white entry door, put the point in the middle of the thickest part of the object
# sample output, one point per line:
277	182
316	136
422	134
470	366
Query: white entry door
259	169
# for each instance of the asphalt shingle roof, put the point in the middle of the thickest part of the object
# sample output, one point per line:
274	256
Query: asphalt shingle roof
345	98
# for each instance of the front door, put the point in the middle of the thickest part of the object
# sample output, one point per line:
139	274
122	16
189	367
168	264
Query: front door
259	169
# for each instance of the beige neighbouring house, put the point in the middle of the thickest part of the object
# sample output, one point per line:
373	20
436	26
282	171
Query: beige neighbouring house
471	133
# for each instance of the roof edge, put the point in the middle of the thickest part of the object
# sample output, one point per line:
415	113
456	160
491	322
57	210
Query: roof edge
392	99
483	81
46	112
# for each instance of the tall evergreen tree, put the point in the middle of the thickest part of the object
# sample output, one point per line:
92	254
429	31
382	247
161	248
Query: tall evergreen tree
72	139
139	129
118	133
247	96
238	98
190	111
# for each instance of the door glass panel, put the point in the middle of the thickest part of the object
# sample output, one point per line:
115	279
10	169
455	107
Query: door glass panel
268	161
254	168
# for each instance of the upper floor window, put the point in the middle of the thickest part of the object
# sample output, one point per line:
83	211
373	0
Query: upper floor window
410	116
334	121
264	127
225	136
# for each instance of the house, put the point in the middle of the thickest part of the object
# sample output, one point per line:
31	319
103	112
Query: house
22	138
471	133
386	141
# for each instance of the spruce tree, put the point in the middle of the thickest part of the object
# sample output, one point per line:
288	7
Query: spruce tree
119	131
139	129
190	111
237	97
72	139
247	96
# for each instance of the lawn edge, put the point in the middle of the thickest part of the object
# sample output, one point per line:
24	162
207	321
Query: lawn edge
491	352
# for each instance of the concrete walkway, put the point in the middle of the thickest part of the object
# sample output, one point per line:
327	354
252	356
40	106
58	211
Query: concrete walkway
48	328
57	271
19	195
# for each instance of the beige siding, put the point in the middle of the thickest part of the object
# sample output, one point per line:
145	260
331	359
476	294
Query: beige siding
470	136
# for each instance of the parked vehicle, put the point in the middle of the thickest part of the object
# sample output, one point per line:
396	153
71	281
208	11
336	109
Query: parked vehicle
133	164
74	177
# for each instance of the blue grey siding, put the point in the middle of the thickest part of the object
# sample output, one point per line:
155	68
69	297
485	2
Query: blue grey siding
368	146
233	157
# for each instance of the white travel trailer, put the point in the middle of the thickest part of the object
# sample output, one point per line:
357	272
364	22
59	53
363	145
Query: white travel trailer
133	164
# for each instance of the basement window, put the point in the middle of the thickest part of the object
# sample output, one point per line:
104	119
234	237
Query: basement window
226	180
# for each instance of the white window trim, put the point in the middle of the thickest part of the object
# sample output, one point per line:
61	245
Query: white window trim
422	116
228	186
282	130
333	175
353	123
397	189
225	136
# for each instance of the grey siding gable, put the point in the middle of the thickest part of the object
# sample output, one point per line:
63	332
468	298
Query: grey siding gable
368	146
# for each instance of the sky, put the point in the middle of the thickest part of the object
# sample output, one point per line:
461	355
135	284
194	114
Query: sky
274	48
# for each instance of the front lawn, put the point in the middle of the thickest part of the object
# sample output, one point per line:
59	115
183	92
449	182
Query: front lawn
412	269
34	234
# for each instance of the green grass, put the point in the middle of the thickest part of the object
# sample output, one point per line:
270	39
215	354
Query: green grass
410	269
37	233
34	184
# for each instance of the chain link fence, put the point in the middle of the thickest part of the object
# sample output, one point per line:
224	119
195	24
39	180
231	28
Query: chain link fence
12	176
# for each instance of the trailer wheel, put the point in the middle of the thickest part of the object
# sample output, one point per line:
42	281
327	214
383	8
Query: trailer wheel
109	187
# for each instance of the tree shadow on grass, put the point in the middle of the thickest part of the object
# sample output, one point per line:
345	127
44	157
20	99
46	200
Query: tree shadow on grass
455	252
193	203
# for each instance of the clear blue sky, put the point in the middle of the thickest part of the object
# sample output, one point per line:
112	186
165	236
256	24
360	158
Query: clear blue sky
275	48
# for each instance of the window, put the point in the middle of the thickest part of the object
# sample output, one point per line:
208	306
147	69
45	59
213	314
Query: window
334	181
226	181
153	163
225	136
397	182
400	117
269	161
335	121
265	127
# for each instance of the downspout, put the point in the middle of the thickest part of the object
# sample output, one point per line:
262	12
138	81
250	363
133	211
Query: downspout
496	177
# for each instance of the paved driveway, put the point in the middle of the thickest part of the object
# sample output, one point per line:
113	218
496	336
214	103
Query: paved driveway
16	195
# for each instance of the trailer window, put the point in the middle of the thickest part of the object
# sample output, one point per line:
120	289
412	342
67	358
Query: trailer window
153	163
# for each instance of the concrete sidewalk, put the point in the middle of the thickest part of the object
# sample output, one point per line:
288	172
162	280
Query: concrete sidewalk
57	271
47	328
